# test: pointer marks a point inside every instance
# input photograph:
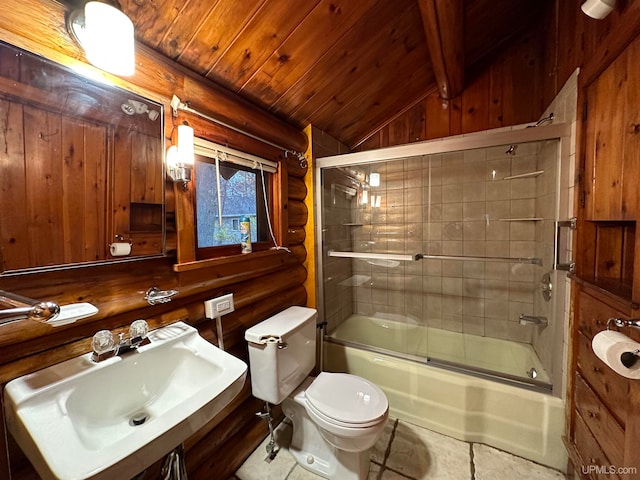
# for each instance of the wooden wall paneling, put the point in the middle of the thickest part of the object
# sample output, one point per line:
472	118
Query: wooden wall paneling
75	224
568	44
417	122
586	151
370	143
455	116
185	226
437	113
608	117
522	68
123	150
496	104
630	130
44	186
399	131
144	168
280	204
608	252
475	104
15	237
94	157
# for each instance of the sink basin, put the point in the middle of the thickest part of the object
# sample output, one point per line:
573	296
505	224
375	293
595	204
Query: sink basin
84	420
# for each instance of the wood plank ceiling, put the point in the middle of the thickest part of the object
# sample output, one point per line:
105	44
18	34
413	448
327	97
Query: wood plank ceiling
347	66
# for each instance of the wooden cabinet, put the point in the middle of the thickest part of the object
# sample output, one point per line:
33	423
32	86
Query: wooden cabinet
612	140
603	416
607	250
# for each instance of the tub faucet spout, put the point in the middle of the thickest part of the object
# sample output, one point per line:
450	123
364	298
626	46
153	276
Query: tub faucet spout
532	320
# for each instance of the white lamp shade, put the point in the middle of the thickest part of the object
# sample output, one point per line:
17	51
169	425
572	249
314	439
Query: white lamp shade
172	157
598	9
107	39
185	144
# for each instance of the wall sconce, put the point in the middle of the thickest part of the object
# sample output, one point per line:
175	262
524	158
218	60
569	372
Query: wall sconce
180	157
106	35
598	9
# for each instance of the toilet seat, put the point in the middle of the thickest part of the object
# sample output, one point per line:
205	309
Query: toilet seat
346	400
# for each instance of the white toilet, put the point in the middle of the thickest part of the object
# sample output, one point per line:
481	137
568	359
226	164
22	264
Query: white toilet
336	417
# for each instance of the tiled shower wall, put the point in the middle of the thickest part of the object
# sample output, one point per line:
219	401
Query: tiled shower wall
451	204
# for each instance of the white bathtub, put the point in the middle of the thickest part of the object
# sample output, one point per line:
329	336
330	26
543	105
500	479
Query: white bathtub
523	422
402	335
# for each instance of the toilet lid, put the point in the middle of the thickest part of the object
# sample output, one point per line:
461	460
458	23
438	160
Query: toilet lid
347	398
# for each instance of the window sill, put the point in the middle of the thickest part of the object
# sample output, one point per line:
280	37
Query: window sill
213	262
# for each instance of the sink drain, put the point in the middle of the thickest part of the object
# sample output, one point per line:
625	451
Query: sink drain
138	419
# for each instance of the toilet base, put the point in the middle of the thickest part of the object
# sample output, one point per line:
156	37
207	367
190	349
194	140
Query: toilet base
312	452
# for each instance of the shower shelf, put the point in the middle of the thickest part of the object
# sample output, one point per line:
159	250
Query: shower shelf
522	219
352	224
524	175
374	256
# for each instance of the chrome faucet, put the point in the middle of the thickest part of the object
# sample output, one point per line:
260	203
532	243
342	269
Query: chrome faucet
105	346
532	320
26	308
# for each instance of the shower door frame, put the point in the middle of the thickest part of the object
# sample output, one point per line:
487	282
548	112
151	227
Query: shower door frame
485	139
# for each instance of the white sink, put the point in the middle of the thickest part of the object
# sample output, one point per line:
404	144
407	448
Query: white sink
73	420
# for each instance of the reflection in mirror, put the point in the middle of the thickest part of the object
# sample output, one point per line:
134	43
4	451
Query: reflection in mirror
80	168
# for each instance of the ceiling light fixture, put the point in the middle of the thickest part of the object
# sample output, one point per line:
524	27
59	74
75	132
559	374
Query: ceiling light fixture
598	9
106	35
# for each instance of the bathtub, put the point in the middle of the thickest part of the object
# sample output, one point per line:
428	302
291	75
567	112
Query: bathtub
526	423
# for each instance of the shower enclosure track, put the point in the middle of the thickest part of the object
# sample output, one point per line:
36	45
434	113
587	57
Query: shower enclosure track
424	256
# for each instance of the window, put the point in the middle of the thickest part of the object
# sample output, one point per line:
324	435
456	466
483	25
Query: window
226	195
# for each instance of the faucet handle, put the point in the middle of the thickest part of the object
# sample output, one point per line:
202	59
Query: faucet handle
102	342
139	328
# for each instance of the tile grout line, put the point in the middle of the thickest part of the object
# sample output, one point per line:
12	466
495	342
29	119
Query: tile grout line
290	471
387	451
472	463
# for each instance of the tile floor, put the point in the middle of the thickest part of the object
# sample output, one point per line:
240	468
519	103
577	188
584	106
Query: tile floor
406	452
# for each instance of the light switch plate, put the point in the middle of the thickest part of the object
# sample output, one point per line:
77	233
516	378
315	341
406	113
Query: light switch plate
219	306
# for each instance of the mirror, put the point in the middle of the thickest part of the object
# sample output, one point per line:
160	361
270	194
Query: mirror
81	167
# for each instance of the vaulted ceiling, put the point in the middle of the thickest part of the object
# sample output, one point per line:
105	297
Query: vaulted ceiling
347	66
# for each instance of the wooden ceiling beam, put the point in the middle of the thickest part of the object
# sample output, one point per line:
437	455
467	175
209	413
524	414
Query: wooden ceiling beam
443	22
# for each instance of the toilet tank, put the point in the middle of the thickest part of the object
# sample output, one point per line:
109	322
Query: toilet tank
282	352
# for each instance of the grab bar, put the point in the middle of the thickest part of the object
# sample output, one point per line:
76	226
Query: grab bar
424	256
